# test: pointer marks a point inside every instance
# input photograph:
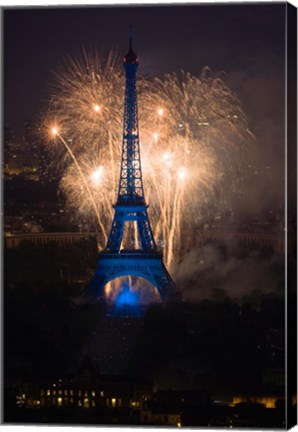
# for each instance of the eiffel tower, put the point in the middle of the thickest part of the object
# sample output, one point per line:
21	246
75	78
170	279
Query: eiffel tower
145	261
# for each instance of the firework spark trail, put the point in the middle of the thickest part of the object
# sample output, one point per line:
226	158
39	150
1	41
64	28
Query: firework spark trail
83	179
186	122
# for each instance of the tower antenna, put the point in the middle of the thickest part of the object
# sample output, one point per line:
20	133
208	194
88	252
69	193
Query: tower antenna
130	34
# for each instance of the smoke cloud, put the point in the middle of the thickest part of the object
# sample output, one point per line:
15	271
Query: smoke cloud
214	269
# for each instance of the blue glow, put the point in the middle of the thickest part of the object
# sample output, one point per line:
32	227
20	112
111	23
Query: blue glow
127	298
127	302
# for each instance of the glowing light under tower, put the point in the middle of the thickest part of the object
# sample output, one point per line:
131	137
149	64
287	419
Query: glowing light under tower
96	107
127	302
127	298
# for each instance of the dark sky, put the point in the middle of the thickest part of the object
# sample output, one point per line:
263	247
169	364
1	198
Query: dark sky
246	41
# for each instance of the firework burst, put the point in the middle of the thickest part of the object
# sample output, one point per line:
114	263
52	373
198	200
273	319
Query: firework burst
193	133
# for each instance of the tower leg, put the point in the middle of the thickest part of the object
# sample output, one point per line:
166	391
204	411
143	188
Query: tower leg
95	289
116	234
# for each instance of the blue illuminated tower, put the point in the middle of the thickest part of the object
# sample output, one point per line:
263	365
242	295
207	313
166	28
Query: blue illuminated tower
145	260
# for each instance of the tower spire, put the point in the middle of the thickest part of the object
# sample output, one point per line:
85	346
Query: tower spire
130	34
131	57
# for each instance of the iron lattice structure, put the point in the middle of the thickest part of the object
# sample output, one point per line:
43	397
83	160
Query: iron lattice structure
146	261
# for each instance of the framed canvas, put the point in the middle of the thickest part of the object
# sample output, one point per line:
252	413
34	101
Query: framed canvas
149	230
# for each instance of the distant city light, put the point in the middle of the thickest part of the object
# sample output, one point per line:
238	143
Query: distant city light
160	112
155	136
54	131
96	107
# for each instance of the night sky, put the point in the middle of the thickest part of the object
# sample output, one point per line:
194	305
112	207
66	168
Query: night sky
246	41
